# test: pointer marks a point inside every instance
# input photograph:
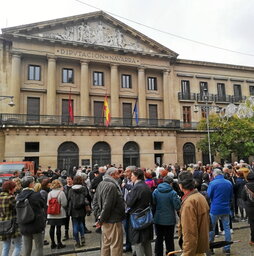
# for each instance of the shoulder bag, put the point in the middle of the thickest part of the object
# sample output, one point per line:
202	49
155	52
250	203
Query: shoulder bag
141	219
8	227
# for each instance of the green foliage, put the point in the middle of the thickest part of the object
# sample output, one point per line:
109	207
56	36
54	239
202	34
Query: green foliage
228	136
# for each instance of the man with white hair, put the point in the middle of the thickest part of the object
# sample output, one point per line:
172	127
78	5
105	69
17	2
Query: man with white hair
109	210
220	192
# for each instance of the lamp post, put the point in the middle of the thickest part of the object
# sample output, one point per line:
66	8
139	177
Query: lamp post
11	103
207	108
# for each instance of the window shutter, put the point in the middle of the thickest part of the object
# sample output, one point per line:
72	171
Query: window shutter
33	109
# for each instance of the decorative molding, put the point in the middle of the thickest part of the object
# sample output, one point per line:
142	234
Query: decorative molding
67	92
33	90
203	77
185	75
223	78
249	81
237	80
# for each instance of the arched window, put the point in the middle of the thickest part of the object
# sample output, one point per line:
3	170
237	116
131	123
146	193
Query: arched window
101	154
68	156
131	154
189	153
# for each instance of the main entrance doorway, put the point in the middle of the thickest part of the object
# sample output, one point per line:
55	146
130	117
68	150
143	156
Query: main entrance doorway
101	154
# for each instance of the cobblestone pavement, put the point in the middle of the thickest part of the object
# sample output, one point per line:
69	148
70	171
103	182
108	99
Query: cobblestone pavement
92	246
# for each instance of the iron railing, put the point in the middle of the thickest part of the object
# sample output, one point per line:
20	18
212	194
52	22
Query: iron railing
186	96
50	120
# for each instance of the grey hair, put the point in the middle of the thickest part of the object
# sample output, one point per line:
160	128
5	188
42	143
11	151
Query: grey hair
131	168
217	172
26	181
111	171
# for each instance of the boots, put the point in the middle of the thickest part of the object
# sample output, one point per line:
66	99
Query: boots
60	246
66	236
83	241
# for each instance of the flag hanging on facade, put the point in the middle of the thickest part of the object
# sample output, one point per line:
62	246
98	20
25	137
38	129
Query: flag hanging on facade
135	111
70	109
106	111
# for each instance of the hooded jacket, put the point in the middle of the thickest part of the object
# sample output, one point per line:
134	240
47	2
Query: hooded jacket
77	196
37	203
166	202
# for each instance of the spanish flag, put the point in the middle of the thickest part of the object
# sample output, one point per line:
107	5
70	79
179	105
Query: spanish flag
106	111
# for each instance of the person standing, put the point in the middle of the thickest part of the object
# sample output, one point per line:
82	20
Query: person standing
8	212
194	218
139	198
57	220
248	198
32	230
109	210
166	202
220	192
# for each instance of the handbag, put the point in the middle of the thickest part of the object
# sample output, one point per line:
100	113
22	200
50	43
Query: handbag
7	227
141	219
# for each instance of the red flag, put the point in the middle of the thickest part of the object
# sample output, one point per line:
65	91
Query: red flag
70	108
106	111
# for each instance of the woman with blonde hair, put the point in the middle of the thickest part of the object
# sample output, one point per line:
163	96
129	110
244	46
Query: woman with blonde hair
57	220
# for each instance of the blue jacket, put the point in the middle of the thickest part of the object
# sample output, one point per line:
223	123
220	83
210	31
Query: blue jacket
220	191
167	202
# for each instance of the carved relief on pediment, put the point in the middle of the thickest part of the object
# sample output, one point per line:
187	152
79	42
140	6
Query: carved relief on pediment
98	33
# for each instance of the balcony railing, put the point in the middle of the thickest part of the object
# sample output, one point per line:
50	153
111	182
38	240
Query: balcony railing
224	98
202	97
46	120
236	99
186	96
188	125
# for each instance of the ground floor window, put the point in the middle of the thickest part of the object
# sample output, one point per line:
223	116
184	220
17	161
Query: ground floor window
131	154
101	154
189	153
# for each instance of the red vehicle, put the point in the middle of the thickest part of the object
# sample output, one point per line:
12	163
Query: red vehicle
7	168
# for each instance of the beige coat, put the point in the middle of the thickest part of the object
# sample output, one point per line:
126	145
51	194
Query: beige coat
194	224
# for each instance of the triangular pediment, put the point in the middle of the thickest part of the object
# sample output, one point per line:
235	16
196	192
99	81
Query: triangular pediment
94	29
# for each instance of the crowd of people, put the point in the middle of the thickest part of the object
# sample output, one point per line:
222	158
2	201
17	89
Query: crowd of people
203	200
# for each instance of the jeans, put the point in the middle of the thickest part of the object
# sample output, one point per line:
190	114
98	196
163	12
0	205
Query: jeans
28	244
126	224
78	227
17	242
225	223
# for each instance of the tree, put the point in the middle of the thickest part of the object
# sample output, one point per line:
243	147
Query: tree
227	136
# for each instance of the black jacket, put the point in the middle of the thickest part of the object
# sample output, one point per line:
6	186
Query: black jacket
139	198
37	203
77	195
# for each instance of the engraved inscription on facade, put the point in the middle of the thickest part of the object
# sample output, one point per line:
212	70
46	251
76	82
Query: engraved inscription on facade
98	33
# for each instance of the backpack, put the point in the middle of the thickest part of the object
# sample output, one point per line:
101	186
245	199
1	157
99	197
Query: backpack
54	208
25	213
78	200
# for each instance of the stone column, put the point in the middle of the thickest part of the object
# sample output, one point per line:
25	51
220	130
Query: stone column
166	102
51	86
141	94
114	92
15	82
84	90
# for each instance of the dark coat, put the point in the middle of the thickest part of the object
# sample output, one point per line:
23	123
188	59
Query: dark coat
77	193
140	197
249	206
108	201
37	203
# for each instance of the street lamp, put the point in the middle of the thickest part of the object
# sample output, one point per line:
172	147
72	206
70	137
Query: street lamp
207	108
11	103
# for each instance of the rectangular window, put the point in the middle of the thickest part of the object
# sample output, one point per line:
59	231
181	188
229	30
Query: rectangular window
251	90
185	87
33	109
186	115
65	110
152	83
98	78
34	72
98	112
158	145
127	113
32	146
67	75
126	81
221	92
153	114
203	90
237	92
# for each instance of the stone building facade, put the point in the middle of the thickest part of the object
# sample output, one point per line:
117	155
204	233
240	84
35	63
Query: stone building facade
79	60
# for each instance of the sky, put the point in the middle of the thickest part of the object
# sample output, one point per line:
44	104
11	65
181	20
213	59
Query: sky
224	24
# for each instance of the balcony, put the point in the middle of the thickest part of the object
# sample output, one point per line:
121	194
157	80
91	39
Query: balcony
223	98
238	99
82	121
188	125
201	97
189	97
